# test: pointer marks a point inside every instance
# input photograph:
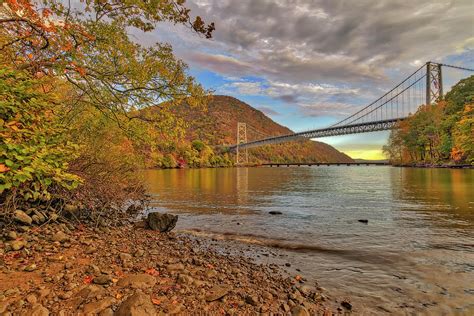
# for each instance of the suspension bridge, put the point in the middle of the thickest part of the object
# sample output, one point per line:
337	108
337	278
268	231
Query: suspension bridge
422	87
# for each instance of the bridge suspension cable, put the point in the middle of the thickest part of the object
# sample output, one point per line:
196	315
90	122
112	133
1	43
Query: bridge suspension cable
423	86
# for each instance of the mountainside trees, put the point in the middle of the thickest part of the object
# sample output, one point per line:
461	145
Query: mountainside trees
437	133
71	83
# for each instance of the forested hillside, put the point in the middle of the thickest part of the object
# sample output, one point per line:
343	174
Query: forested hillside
210	129
439	133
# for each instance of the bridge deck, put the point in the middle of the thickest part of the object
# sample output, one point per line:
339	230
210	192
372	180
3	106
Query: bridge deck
298	164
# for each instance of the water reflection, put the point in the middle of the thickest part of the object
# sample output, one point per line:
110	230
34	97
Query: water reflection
419	239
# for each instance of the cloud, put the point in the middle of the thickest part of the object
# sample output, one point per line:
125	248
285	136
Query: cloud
268	110
320	55
331	40
310	99
222	64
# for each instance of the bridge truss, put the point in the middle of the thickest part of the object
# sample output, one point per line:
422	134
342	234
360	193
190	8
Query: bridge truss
424	86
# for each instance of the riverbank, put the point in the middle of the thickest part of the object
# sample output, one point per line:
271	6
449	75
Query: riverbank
67	269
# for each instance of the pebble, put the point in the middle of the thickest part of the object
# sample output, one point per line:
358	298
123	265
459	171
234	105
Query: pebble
103	279
17	245
216	293
252	300
31	299
60	236
137	281
31	267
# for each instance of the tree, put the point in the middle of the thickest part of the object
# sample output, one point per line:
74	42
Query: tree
34	150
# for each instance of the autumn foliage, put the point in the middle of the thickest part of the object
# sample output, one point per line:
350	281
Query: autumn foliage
72	82
439	133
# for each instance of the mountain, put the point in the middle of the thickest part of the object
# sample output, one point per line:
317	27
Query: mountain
217	125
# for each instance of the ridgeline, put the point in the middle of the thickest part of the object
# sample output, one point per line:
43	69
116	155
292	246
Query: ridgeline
216	126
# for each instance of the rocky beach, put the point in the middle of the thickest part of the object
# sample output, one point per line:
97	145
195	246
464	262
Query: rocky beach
50	265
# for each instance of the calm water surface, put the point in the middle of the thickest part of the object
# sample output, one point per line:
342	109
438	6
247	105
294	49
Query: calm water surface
415	255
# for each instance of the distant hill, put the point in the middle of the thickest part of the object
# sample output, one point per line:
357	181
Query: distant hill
217	125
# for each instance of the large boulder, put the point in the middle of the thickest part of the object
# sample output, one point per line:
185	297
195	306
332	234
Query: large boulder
138	304
163	222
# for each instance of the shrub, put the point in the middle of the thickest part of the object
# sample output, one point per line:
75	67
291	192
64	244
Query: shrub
34	151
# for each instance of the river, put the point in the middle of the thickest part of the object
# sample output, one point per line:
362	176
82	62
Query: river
415	254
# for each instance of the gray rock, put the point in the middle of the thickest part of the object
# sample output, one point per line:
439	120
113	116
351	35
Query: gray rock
125	256
31	298
35	219
4	306
138	304
22	217
103	280
17	245
71	209
175	267
217	292
40	215
31	267
12	235
252	300
94	308
162	222
138	281
107	312
185	279
38	310
60	236
299	311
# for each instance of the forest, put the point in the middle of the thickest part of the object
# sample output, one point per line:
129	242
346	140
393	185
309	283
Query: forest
73	85
440	133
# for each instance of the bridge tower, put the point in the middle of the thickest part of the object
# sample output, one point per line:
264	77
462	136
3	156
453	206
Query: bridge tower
434	82
242	156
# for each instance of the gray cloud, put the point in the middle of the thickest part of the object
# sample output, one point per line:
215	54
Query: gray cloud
268	111
322	54
302	40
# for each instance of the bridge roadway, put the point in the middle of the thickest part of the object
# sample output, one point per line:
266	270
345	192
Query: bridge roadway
274	164
323	132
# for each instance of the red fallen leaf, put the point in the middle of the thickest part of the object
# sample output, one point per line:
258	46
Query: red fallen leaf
155	301
152	271
88	279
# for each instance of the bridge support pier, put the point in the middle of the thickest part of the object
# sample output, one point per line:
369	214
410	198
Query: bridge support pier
434	83
242	155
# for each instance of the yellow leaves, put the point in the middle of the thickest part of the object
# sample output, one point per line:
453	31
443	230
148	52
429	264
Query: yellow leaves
14	125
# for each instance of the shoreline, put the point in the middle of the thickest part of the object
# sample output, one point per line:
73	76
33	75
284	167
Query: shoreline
64	269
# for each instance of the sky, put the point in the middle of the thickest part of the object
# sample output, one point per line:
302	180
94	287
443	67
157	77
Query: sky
309	63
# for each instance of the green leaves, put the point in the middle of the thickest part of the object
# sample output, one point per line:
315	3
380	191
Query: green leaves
33	147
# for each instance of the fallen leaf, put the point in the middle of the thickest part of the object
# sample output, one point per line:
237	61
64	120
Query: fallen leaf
88	279
152	271
155	301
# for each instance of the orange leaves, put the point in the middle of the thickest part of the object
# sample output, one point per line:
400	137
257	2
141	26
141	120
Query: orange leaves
152	271
457	154
81	71
155	301
3	168
46	12
88	279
